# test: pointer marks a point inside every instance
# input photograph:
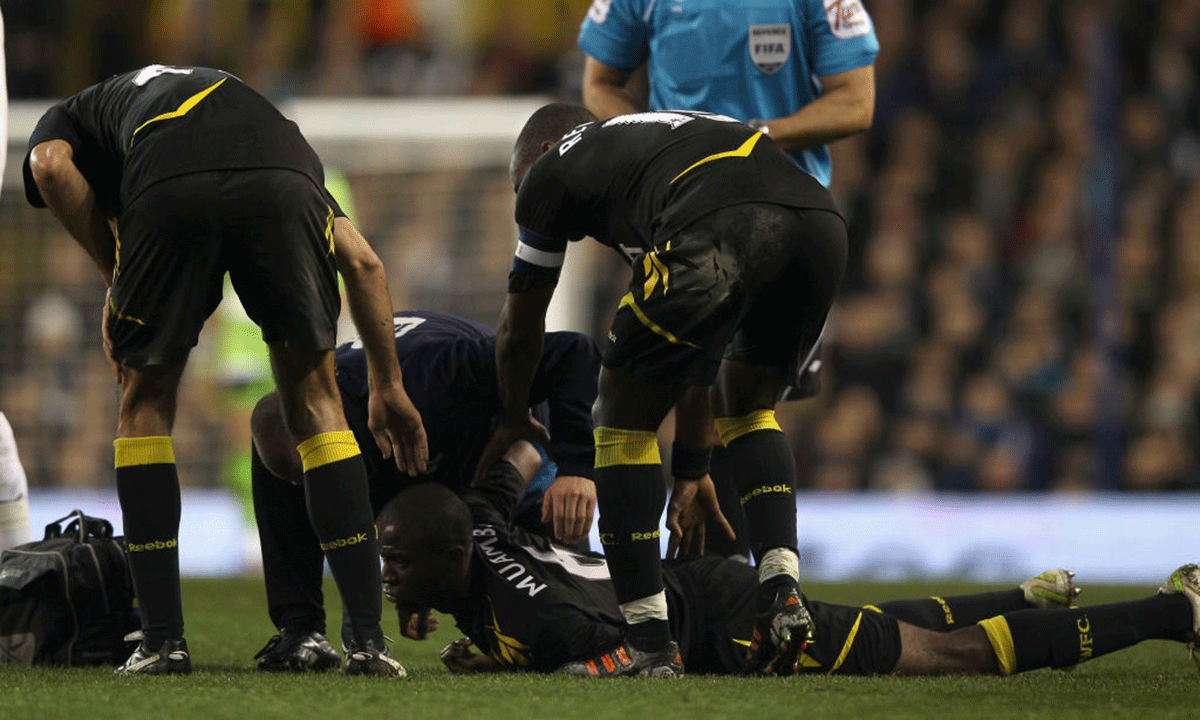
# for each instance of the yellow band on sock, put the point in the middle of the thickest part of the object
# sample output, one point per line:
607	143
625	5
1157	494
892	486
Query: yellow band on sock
153	450
326	448
1000	636
731	429
625	447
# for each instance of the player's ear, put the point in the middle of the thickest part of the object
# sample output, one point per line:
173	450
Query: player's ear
546	145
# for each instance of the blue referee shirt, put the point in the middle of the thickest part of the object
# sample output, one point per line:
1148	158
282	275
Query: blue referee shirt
741	58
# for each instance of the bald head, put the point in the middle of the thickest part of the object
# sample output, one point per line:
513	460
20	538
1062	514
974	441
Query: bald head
544	128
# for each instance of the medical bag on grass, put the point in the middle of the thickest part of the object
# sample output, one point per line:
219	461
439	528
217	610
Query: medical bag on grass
67	599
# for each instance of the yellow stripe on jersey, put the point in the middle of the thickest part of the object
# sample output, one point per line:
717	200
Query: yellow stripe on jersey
743	151
182	110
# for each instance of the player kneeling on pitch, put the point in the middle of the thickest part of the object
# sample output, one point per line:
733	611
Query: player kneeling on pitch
449	363
528	604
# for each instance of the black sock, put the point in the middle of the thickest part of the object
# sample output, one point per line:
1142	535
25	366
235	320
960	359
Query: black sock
338	499
766	479
951	613
148	489
631	495
293	563
1031	639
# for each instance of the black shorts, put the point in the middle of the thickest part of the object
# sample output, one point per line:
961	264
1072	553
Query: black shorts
272	230
713	607
749	282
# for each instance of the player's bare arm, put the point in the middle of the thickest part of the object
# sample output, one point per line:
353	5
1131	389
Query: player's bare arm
609	92
694	496
73	202
519	340
394	421
846	107
458	659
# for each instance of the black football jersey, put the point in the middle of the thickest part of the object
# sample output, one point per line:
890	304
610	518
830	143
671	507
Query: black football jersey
141	127
532	605
633	181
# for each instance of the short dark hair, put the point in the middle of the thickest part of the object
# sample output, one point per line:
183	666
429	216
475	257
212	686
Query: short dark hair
547	124
430	516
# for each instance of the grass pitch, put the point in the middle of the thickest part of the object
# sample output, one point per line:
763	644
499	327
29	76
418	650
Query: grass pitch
227	624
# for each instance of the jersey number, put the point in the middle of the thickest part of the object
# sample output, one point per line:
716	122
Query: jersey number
150	72
401	327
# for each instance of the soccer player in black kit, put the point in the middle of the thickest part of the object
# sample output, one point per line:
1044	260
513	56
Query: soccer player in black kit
199	175
529	605
449	364
736	256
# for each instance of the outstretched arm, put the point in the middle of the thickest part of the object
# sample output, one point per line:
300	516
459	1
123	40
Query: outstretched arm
566	380
694	496
73	201
458	659
519	339
394	421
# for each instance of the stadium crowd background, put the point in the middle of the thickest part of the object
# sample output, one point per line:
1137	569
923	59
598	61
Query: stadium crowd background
1004	325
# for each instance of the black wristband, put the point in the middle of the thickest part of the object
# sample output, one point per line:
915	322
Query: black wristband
689	463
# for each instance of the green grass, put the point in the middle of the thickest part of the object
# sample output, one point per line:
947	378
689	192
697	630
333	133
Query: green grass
227	624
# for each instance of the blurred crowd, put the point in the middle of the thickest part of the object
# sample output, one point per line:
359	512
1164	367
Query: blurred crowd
289	48
1022	308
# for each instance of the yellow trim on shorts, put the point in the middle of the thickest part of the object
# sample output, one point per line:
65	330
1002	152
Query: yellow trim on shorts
655	269
1000	636
114	312
615	446
872	608
183	109
731	429
743	151
329	228
152	450
629	302
841	658
325	448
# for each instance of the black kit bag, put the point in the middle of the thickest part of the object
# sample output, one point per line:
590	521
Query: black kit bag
67	599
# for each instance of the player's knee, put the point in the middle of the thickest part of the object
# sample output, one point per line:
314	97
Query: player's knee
967	651
272	440
50	162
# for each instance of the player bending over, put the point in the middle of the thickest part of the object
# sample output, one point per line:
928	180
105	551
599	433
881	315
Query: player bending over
737	255
449	365
169	177
527	604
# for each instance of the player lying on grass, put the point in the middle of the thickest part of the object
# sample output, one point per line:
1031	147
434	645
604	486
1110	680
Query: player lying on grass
449	365
528	604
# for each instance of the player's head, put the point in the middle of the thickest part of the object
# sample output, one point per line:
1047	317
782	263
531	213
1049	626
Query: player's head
425	543
544	128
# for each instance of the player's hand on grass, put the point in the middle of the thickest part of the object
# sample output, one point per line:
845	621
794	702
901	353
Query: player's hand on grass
503	437
418	625
693	503
458	659
396	425
570	504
